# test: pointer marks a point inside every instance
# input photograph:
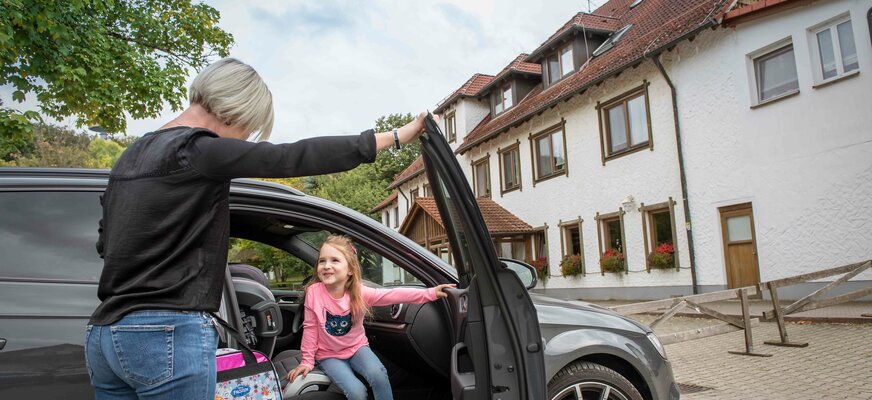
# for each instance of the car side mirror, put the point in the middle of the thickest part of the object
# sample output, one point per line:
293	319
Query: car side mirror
526	273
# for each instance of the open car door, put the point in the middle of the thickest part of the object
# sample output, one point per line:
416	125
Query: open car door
498	351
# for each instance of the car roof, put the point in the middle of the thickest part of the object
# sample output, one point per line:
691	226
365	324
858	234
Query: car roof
50	176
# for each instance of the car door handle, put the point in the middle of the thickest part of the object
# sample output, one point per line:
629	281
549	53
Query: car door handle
2	343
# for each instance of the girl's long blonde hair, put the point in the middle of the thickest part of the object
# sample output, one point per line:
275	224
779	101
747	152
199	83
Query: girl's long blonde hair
354	285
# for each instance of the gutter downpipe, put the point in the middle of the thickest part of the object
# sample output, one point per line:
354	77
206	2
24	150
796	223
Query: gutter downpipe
681	172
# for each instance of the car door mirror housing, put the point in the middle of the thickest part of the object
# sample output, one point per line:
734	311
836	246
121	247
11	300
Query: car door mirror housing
526	273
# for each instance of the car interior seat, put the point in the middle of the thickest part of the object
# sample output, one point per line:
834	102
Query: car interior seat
262	322
261	316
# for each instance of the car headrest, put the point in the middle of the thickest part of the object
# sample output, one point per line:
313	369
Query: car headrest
249	272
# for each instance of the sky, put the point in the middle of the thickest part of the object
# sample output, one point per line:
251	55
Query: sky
335	66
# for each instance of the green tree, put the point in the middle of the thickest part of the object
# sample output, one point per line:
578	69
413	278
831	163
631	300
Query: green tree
363	187
103	153
391	162
101	60
52	146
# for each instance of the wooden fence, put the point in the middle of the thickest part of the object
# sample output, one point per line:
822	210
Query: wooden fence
729	323
813	300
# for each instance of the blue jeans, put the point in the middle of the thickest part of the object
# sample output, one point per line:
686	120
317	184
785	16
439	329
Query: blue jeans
153	355
365	363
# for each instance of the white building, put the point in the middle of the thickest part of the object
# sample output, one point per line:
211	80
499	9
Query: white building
583	140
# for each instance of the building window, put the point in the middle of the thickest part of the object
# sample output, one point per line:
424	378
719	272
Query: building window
571	240
775	73
386	217
481	177
626	123
510	168
836	50
413	194
503	99
549	153
560	64
397	217
610	229
553	63
427	192
658	229
566	61
514	247
611	41
612	233
451	128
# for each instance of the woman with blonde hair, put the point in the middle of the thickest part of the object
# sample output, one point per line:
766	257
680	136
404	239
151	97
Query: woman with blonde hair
165	228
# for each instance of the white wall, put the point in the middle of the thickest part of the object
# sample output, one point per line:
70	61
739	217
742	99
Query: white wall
803	162
650	176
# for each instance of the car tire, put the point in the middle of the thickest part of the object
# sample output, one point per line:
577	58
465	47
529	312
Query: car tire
586	380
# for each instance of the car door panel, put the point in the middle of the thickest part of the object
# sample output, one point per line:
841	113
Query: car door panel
500	335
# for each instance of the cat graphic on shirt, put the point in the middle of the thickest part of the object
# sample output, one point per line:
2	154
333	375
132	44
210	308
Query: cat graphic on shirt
337	325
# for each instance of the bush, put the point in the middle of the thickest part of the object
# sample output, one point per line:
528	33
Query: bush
572	265
541	266
612	261
662	256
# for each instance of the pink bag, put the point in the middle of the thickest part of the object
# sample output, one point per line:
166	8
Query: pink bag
245	374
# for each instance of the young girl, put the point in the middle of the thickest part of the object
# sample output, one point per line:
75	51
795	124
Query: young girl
336	303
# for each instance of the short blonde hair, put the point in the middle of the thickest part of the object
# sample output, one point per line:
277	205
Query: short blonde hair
234	93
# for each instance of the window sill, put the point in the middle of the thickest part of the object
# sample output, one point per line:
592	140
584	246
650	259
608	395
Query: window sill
547	177
631	150
775	99
509	190
836	79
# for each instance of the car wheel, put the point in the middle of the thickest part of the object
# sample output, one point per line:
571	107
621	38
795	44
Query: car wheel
586	380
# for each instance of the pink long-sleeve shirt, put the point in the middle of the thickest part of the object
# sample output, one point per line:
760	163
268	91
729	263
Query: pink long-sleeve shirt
328	329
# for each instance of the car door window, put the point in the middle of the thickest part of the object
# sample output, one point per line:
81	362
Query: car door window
50	235
48	290
375	267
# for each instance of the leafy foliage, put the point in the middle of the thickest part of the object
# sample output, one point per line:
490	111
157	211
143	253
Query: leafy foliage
541	266
364	187
572	265
612	260
51	146
102	60
268	259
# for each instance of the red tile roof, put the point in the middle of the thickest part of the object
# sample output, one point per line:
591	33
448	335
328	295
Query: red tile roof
497	218
391	199
470	88
657	25
414	169
518	65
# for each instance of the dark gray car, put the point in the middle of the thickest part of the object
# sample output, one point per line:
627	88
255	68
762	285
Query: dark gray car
487	340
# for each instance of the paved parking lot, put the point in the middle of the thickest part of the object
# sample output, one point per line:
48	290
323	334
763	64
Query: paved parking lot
837	364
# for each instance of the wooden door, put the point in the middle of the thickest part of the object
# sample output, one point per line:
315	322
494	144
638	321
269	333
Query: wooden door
740	246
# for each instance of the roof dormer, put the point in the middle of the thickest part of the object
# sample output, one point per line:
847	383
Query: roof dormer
568	49
509	86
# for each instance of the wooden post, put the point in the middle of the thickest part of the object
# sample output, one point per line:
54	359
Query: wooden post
749	340
779	318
